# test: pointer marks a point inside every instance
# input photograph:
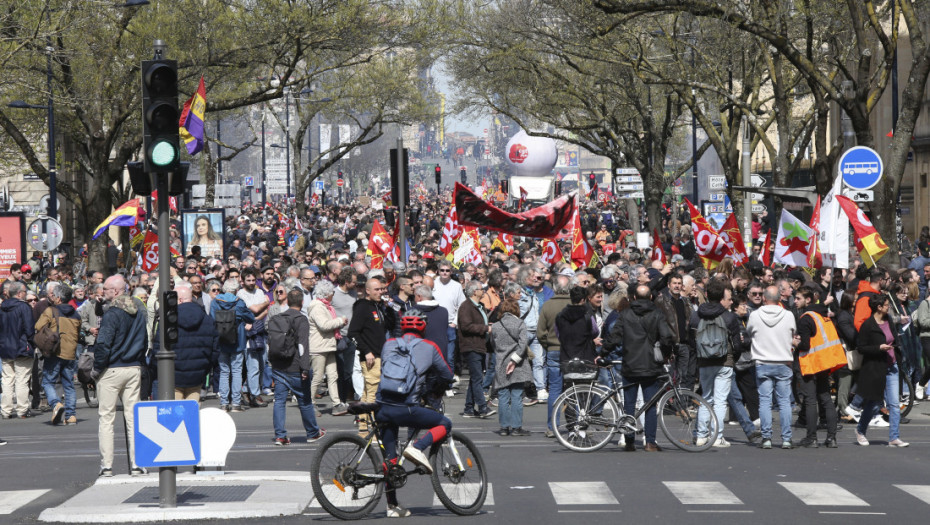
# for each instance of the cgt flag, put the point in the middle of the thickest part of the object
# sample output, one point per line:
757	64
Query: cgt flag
731	235
551	253
658	252
451	231
523	195
380	245
767	249
869	243
504	242
710	247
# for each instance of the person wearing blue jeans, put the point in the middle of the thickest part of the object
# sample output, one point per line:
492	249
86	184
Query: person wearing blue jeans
774	378
292	373
53	369
715	387
554	382
231	371
649	385
738	410
870	409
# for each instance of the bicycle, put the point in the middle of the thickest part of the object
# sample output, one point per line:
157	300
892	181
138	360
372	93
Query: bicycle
587	415
348	473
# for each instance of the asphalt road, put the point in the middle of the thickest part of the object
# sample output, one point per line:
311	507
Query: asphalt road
534	480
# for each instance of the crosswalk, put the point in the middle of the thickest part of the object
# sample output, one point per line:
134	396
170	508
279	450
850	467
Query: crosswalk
598	496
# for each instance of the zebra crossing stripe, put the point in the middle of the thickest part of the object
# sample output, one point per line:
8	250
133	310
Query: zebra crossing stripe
466	488
582	493
823	494
702	493
921	492
10	500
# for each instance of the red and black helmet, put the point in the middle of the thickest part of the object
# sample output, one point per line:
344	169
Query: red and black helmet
413	320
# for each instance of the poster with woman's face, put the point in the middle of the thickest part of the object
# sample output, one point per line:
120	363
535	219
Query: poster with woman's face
203	228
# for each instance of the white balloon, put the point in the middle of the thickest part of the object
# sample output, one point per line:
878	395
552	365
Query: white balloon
531	156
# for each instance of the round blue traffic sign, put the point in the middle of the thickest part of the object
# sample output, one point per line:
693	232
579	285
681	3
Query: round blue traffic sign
861	168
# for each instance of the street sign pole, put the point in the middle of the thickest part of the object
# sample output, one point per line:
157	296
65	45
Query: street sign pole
401	198
747	181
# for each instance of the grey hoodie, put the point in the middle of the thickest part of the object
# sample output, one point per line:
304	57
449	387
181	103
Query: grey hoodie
771	329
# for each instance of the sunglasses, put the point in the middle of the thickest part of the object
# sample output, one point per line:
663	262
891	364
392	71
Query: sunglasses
280	292
213	290
32	300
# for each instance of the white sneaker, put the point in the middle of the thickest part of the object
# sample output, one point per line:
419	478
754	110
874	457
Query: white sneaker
722	443
852	412
542	395
861	440
898	443
878	421
757	423
450	393
622	441
700	442
418	458
919	392
456	380
396	511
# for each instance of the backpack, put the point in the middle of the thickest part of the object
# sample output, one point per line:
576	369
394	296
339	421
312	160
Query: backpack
282	338
398	371
713	338
225	321
48	339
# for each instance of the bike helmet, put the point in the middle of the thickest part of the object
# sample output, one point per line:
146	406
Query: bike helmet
413	320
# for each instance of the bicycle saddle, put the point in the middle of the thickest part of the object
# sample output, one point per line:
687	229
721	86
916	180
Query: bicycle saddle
356	408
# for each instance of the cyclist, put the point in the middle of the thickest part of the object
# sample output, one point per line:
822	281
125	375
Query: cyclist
432	375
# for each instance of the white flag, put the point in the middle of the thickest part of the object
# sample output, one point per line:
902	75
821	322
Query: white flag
834	230
345	135
793	242
325	139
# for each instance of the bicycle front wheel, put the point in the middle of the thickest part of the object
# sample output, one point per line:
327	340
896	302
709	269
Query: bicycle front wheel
347	479
678	417
584	418
459	476
905	393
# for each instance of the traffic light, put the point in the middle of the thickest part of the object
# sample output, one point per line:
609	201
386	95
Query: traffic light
169	307
395	179
592	181
558	187
464	175
438	175
160	115
505	186
339	174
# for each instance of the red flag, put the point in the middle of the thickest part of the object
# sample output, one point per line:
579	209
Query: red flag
658	253
582	252
710	246
523	195
551	253
733	237
504	241
150	252
542	222
315	200
451	231
172	201
814	258
767	249
869	243
380	244
387	198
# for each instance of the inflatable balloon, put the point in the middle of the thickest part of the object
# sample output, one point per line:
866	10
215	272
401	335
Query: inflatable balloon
530	156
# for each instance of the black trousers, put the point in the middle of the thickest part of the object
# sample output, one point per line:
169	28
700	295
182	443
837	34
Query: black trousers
686	362
746	382
346	357
815	391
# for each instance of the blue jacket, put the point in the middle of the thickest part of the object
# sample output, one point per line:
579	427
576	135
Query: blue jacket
437	323
16	329
228	301
122	339
427	357
196	350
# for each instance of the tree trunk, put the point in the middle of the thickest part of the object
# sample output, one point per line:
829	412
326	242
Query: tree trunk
98	210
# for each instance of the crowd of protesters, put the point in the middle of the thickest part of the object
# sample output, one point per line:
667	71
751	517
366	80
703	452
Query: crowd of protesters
508	323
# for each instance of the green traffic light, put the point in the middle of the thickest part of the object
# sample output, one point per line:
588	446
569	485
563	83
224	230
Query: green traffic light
163	153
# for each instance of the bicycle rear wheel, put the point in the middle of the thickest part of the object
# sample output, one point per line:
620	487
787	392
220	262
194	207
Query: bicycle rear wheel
346	481
678	416
459	476
584	418
905	393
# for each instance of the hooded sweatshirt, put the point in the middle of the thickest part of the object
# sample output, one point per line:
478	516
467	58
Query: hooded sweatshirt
576	332
709	311
771	329
16	329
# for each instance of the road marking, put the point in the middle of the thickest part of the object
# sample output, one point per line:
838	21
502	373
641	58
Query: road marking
921	492
702	493
824	494
580	510
581	493
451	488
10	500
853	513
721	511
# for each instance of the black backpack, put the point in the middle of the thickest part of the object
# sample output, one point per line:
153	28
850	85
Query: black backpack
225	321
282	338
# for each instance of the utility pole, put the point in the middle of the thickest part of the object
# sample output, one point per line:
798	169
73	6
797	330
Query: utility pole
401	198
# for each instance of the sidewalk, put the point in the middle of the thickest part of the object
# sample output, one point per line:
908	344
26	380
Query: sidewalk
246	494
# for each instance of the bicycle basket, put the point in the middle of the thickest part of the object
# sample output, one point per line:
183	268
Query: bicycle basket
578	370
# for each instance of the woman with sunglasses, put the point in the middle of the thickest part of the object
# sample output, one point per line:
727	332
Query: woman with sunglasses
878	375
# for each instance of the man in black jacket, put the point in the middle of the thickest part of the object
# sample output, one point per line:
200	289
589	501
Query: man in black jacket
638	329
371	322
677	311
814	389
292	375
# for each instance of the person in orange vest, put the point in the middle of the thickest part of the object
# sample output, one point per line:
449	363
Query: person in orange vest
878	280
816	351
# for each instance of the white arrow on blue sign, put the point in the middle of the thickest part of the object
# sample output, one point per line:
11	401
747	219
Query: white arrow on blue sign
861	168
167	433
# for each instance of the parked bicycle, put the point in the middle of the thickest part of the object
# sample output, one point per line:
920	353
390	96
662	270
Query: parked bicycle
587	415
349	472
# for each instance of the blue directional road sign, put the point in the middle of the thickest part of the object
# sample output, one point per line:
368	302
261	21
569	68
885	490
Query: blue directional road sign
250	181
861	168
167	433
318	186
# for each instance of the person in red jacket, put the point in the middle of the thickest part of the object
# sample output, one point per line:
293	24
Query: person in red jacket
878	279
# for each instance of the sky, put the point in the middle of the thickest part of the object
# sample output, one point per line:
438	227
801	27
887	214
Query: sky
454	122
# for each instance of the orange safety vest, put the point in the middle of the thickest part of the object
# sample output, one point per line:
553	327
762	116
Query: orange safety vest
826	350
